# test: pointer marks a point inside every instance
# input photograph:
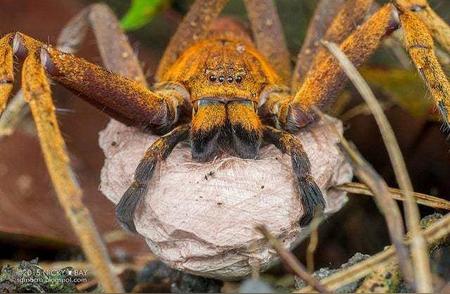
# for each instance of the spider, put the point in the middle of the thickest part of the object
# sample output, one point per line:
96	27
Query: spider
216	87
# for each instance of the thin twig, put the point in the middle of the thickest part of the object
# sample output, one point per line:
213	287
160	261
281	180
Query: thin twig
384	200
362	109
432	234
13	114
289	259
313	241
83	287
420	258
423	199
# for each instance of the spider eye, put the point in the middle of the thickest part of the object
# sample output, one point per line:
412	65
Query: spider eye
238	79
212	78
221	79
230	79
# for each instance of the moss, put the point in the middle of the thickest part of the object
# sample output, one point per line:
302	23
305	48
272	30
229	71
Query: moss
28	277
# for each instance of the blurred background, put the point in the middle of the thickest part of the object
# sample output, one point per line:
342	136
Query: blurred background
32	224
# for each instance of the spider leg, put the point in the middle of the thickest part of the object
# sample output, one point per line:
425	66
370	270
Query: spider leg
346	21
419	44
123	99
115	50
158	151
38	95
269	36
310	194
6	72
324	13
439	29
194	26
326	79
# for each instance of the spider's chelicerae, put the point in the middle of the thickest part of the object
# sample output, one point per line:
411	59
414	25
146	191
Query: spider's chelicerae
215	86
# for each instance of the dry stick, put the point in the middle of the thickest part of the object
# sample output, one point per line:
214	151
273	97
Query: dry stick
289	259
435	232
423	199
365	172
362	109
313	241
421	262
14	114
83	287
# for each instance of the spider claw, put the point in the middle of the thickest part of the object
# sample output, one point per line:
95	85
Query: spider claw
312	200
127	205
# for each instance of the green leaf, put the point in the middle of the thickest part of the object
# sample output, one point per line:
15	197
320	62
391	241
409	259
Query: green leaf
141	13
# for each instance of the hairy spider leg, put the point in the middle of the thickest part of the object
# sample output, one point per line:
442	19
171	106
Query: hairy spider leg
324	14
269	36
157	152
420	46
349	17
124	99
6	71
326	79
115	50
38	95
310	194
439	29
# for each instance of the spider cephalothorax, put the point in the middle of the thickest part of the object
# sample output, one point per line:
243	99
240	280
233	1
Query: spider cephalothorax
225	76
214	87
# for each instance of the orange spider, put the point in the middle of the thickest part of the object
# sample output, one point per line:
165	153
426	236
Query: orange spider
214	86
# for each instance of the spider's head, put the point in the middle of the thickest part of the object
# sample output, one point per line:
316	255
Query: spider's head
225	79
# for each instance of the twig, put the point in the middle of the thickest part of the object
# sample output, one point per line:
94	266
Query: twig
313	241
289	259
362	109
423	199
13	114
86	285
421	262
432	234
384	200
